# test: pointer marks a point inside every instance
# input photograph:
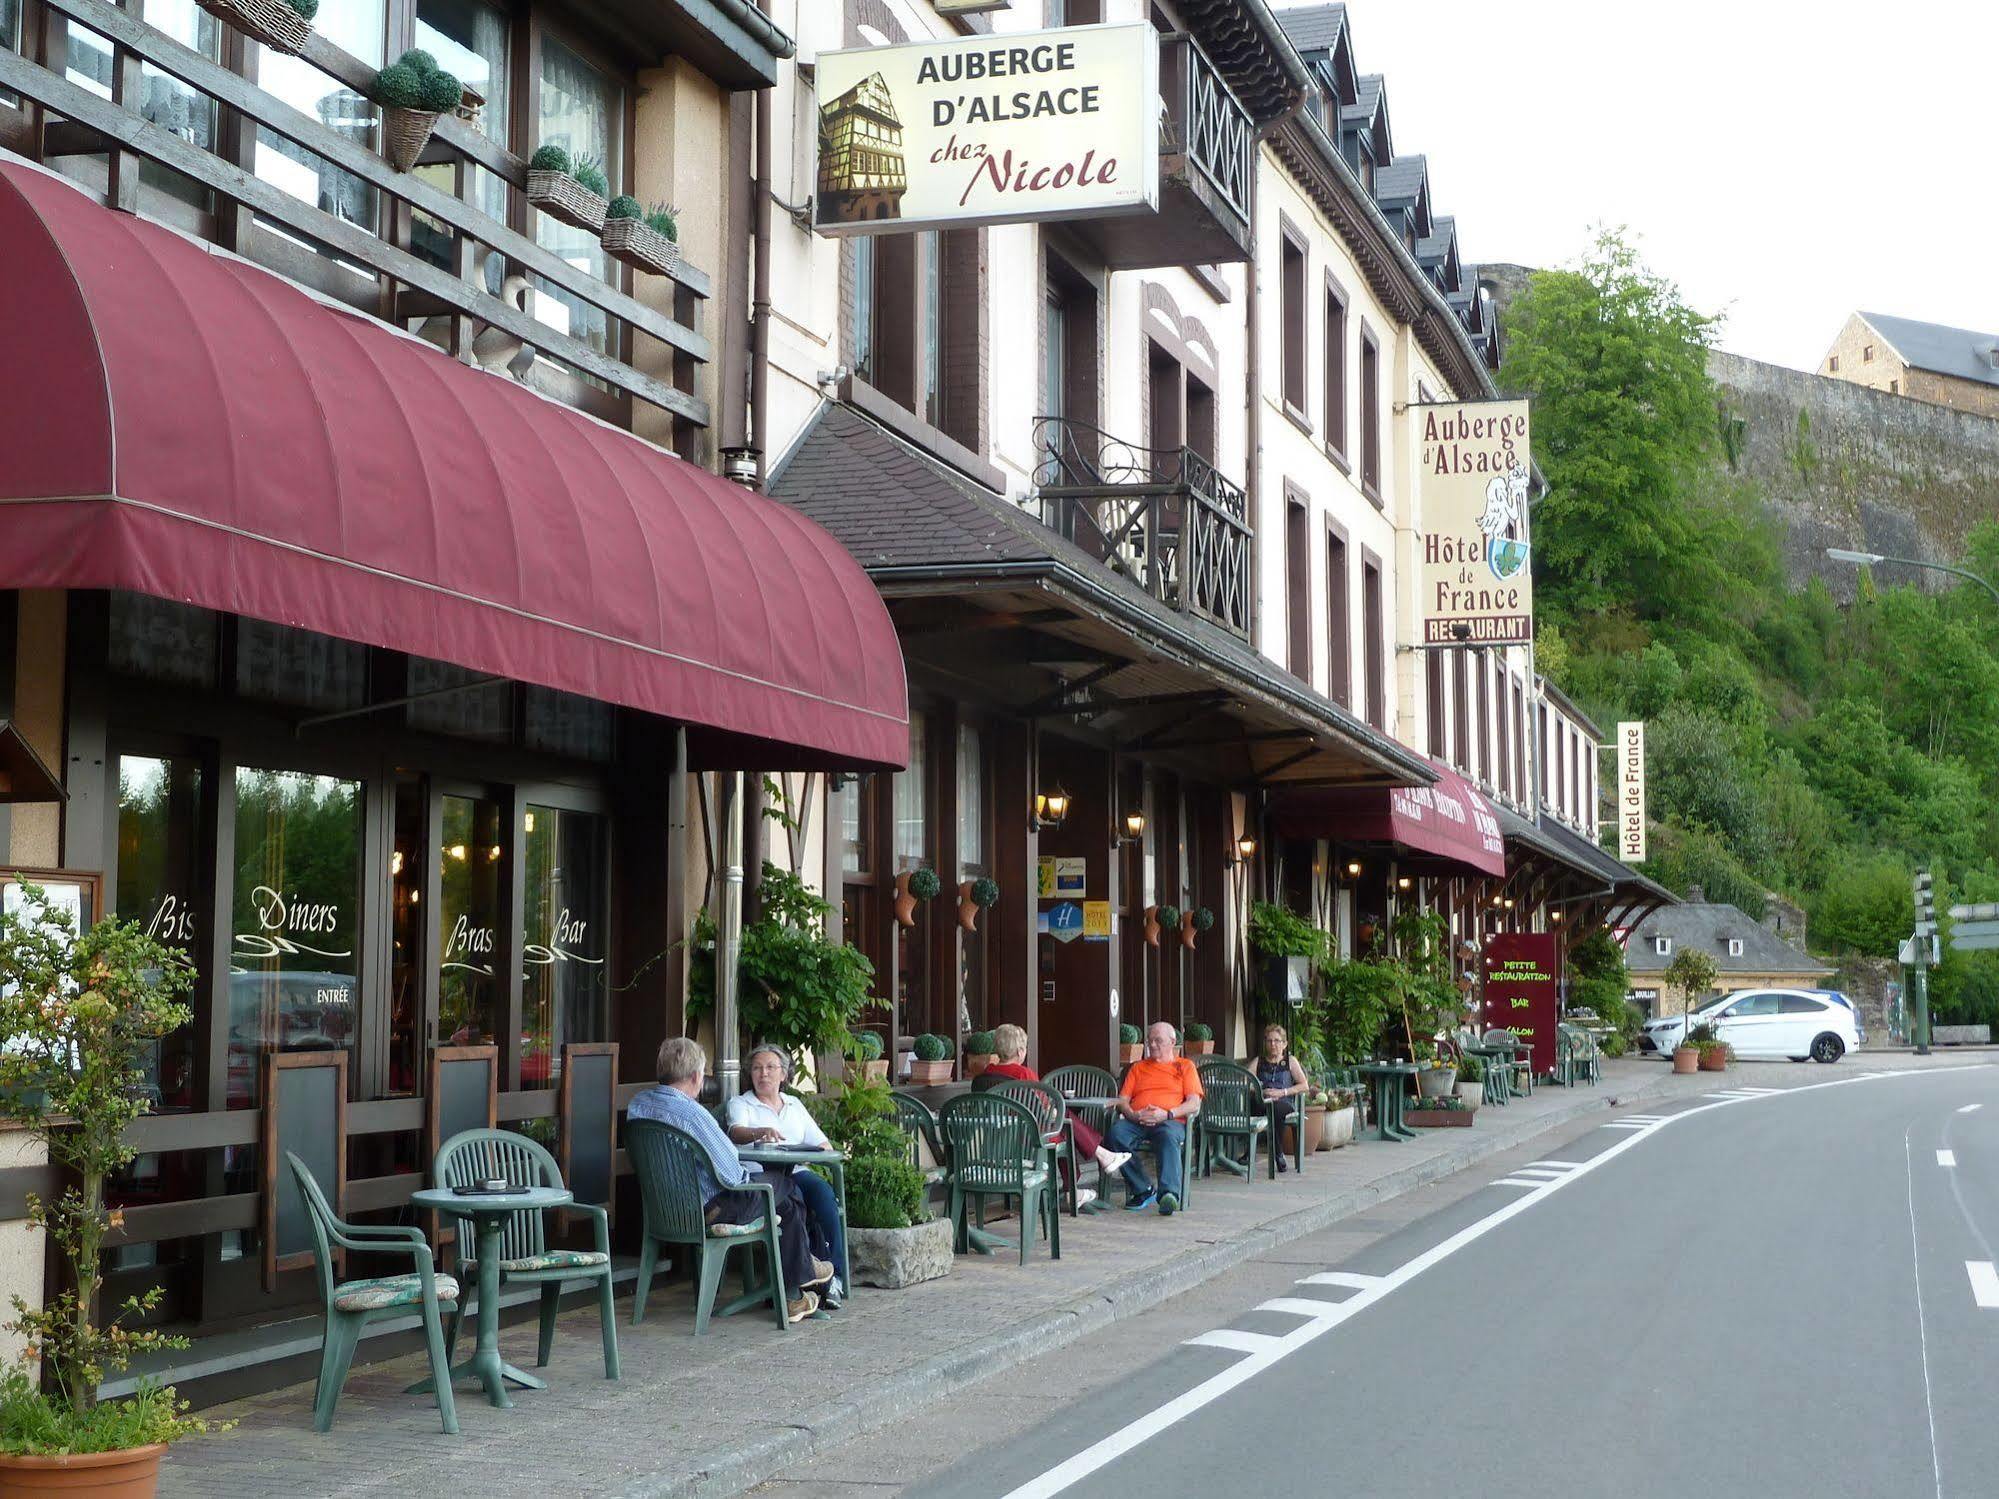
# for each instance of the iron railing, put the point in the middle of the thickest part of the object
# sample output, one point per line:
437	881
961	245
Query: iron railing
1205	123
1163	517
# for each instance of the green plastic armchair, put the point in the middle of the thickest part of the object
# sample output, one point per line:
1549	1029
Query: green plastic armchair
920	1124
1056	1135
997	1150
666	1161
352	1304
477	1155
1232	1108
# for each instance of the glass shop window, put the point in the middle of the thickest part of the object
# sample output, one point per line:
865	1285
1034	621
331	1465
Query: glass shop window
470	900
565	980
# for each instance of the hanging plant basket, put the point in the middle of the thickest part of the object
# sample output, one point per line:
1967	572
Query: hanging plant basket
561	196
905	903
272	23
640	246
405	132
1188	927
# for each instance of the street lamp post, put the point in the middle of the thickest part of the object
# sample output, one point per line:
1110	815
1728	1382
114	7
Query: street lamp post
1875	559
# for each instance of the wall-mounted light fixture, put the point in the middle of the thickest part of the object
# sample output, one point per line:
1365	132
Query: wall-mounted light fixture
1051	808
1554	915
1134	827
1403	882
1509	902
1353	869
1245	849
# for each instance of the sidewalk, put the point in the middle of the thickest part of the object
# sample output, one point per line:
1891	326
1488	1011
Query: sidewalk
716	1416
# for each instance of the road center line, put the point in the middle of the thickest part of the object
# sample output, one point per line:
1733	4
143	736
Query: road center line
1984	1282
1108	1449
1922	1322
1946	1158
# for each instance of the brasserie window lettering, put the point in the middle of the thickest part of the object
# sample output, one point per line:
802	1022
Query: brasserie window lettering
470	941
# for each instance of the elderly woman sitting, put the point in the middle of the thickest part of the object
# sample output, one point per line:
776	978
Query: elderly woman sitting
767	1115
1011	1043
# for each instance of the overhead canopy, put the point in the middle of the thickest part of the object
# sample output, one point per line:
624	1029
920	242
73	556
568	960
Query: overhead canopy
179	423
1449	820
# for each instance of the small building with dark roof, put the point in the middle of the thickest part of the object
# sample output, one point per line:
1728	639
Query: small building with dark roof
1955	367
1747	954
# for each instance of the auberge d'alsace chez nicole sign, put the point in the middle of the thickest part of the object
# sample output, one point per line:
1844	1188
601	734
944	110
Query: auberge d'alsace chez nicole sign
988	130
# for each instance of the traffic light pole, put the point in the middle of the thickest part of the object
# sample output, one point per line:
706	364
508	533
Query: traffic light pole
1919	994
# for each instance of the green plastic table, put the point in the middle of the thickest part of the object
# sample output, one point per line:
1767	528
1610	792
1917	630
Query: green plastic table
489	1216
833	1160
1387	1080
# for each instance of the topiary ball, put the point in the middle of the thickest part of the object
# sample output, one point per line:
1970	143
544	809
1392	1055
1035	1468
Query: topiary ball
981	1044
932	1048
550	159
1129	1035
870	1045
442	93
924	884
985	892
399	86
306	9
1204	919
1167	916
418	59
624	206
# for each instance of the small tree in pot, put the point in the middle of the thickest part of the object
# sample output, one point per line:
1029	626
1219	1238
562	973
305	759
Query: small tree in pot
932	1063
1131	1043
892	1241
1200	1039
82	1014
1693	973
981	1051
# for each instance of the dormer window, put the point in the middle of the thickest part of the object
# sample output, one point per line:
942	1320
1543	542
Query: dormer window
1735	947
1663	946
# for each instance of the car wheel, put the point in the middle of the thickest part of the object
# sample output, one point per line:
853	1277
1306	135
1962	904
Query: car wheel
1828	1048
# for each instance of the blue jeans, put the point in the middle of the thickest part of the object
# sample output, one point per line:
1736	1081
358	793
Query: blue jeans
1167	1141
822	1215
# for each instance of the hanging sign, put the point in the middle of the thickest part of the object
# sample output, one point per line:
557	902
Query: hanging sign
1476	587
1631	792
988	129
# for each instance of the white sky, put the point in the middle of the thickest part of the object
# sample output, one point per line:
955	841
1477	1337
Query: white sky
1785	163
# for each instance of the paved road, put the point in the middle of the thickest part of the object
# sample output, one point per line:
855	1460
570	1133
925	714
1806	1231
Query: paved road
1776	1292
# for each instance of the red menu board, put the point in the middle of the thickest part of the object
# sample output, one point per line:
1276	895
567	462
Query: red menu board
1521	993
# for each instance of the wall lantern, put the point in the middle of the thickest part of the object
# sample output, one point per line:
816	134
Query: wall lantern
1245	849
1403	882
1554	915
1353	869
1051	808
1134	827
1509	902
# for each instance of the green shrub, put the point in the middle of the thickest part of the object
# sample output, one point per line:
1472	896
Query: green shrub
932	1048
414	81
924	884
1279	933
550	159
1614	1045
442	93
418	59
1204	919
35	1425
1471	1069
398	86
306	9
981	1044
869	1045
985	891
1168	917
1130	1035
1200	1031
624	206
884	1192
589	175
1358	998
664	219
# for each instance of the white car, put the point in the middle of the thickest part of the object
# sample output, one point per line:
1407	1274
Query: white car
1771	1023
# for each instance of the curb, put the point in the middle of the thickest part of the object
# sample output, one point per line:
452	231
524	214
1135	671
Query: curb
730	1470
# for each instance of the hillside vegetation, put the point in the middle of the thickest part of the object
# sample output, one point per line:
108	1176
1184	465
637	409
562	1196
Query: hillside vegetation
1795	745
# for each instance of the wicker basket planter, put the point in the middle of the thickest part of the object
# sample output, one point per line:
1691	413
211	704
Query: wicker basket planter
272	22
405	132
561	196
640	246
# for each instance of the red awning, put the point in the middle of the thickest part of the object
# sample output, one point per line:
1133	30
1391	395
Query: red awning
1450	819
177	422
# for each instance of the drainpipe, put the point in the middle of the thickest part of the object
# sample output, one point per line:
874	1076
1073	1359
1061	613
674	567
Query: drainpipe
729	938
759	431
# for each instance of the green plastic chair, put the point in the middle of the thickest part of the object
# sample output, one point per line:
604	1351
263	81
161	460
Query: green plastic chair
1088	1082
1520	1073
666	1161
997	1150
1189	1144
352	1304
477	1155
1046	1105
920	1124
1232	1109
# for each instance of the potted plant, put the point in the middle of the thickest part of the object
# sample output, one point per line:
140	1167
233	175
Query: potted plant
1709	1047
1312	1111
874	1066
1131	1043
911	886
892	1240
573	191
82	1014
975	896
1693	973
932	1063
1436	1076
1160	919
413	91
981	1051
281	25
1446	1112
646	239
1200	919
1339	1123
1200	1039
1471	1079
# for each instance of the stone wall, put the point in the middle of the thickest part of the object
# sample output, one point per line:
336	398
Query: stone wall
1867	982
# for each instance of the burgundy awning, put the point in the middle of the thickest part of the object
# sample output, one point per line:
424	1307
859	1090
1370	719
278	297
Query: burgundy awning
179	423
1450	820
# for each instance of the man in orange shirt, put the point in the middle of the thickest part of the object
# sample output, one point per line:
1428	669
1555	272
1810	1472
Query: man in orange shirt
1160	1097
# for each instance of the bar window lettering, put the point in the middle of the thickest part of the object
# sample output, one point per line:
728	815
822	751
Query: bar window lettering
565	985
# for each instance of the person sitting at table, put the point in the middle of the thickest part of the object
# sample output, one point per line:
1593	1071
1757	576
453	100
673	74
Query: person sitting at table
764	1114
1283	1082
1010	1041
1161	1093
720	1171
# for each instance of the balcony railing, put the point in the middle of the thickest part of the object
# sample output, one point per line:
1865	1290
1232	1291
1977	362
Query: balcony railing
82	121
1162	517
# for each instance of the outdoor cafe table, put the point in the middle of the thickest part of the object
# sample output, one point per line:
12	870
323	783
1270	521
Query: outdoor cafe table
1387	1080
791	1155
489	1214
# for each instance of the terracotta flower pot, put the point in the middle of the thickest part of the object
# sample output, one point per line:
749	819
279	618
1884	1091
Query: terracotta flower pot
928	1074
905	903
877	1070
1315	1127
1714	1059
132	1473
1199	1048
1152	926
968	909
1130	1053
1686	1059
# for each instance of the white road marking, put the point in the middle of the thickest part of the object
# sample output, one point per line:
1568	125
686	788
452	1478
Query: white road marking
1946	1158
1304	1306
1108	1449
1239	1342
1348	1278
1971	1108
1631	1124
1922	1321
1516	1181
1538	1171
1984	1282
1560	1165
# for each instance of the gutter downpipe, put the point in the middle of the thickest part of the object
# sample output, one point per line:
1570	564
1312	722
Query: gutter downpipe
729	937
759	434
765	32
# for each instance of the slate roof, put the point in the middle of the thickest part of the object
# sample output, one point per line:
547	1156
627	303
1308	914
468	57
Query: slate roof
1708	925
1401	180
1958	352
1313	28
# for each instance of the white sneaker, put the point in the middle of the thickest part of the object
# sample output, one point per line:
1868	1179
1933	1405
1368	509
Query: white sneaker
1112	1160
1085	1196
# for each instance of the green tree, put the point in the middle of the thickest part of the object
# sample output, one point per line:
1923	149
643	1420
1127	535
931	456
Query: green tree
1693	973
1865	908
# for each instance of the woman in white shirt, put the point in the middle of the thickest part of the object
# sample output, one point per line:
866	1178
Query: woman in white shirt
767	1115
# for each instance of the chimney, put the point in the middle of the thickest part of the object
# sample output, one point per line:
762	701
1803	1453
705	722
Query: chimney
1695	895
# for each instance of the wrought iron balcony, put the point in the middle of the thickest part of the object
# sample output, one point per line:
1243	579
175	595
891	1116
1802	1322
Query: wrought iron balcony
1207	171
1162	517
